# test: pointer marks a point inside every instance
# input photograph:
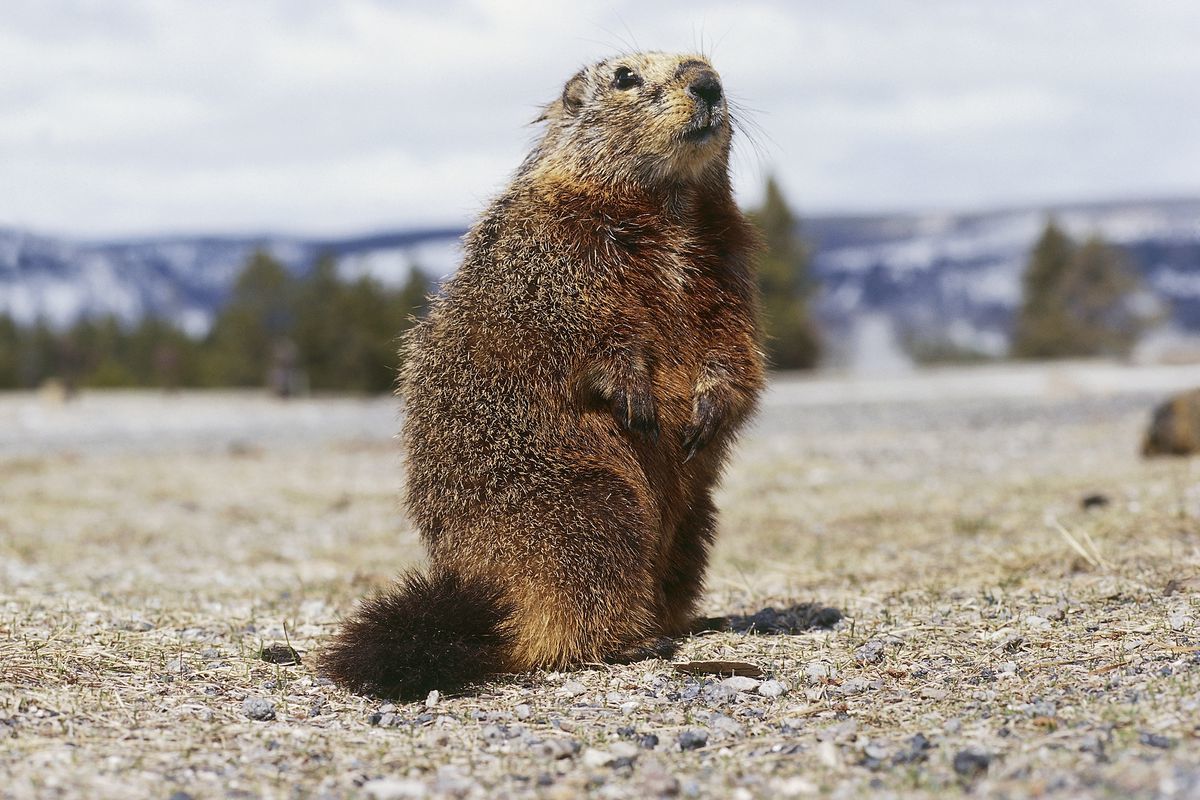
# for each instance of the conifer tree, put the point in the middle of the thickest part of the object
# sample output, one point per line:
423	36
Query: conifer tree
1076	300
792	339
249	330
1043	327
10	353
1098	291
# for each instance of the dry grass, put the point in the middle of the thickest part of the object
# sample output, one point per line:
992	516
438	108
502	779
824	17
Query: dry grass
985	609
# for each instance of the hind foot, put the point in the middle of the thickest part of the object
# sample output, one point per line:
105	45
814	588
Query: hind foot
658	647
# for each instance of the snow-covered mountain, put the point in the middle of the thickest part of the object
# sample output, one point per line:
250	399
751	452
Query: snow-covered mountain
955	279
183	278
945	278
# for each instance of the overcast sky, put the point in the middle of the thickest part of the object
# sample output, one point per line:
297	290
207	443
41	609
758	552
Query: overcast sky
315	116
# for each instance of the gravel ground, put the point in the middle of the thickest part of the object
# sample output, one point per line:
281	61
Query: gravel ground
1017	596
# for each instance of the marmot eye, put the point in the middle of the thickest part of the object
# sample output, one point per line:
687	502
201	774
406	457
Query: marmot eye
625	78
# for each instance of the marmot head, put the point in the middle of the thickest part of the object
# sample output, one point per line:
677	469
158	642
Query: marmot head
644	117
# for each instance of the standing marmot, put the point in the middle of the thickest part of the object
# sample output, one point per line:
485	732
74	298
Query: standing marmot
572	395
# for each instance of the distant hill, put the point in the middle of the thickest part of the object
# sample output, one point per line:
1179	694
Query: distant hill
186	278
951	279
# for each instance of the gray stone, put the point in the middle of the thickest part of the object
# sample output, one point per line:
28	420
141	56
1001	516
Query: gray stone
258	708
740	683
392	789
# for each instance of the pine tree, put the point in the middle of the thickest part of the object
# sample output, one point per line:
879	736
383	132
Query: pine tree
1076	300
414	295
320	324
253	327
1098	292
10	353
1043	327
792	339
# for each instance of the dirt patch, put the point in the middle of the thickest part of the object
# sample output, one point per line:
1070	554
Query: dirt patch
994	633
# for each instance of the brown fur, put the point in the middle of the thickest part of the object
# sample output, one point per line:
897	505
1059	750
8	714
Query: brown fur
1175	427
572	395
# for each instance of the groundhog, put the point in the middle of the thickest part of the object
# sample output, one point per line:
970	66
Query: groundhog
1175	427
571	396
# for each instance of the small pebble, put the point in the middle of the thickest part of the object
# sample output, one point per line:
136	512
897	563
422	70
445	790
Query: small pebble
597	758
625	750
855	686
844	731
523	711
451	783
917	750
725	724
692	740
648	742
279	653
869	653
177	666
771	688
829	755
1156	740
972	763
740	683
558	748
658	783
258	708
796	787
875	750
432	698
1056	613
392	789
572	689
817	671
719	693
137	625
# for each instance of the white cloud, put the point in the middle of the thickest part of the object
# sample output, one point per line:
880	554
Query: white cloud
299	115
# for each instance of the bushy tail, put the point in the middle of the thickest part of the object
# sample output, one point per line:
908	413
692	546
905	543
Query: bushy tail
435	632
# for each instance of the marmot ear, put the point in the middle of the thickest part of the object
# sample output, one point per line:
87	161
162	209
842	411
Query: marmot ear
572	96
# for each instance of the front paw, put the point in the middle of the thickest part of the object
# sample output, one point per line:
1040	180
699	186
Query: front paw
706	421
633	406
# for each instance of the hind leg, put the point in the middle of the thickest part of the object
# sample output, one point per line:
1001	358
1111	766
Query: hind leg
583	585
683	577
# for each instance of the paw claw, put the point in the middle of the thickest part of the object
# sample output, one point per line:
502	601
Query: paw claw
634	408
704	426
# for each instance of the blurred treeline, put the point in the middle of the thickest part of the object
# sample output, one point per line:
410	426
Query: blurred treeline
312	332
317	332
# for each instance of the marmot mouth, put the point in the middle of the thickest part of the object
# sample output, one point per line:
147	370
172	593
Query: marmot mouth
700	133
703	126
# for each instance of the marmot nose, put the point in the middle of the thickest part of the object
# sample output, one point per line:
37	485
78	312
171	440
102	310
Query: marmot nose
706	87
